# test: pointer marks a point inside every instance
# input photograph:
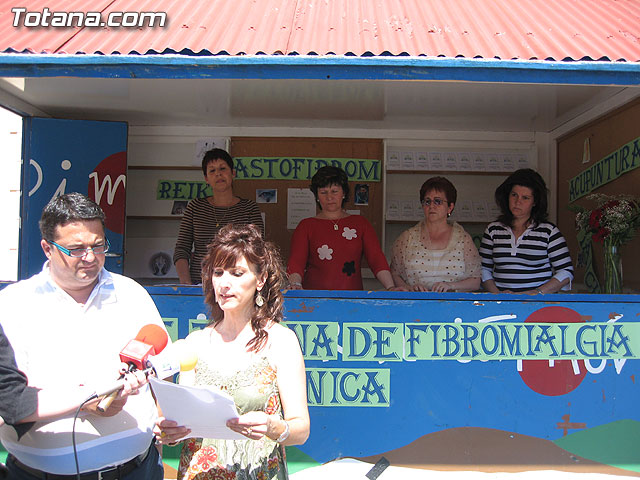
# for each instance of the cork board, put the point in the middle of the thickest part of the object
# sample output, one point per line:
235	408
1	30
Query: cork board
276	213
605	136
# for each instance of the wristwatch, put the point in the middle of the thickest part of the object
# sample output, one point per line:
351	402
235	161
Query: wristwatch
284	435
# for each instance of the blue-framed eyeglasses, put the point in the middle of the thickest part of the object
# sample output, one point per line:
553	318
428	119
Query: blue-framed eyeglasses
436	201
81	252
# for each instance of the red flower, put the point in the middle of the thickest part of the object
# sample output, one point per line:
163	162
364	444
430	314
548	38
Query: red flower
594	219
601	234
206	458
193	445
272	463
273	404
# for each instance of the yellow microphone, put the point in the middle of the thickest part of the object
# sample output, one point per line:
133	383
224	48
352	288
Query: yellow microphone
177	357
188	358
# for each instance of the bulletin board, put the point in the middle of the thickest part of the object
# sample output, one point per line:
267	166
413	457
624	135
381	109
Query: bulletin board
276	213
599	139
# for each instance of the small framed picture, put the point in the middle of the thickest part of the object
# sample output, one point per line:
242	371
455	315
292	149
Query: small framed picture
361	196
178	207
266	195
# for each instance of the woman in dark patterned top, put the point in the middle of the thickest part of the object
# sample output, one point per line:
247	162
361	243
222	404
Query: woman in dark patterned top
522	251
204	217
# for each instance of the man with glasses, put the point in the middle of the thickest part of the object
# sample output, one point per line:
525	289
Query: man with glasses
21	404
67	325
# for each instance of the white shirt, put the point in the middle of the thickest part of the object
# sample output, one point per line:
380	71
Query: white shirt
417	263
60	342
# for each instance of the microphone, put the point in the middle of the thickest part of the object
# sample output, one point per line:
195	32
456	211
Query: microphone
178	357
150	340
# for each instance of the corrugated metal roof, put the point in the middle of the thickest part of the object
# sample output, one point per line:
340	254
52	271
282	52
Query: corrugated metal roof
491	29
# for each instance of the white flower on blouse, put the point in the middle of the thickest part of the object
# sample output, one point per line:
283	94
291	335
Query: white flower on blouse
349	233
324	252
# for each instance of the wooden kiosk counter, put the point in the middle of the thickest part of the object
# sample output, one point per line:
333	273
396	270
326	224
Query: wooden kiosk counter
453	381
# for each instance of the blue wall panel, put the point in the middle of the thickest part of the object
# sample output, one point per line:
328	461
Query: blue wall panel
368	406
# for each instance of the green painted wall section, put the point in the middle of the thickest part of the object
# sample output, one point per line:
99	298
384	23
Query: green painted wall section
614	444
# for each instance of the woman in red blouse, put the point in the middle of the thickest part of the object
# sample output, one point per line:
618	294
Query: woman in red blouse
326	250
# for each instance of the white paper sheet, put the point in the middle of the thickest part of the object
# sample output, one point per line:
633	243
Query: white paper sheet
301	204
204	410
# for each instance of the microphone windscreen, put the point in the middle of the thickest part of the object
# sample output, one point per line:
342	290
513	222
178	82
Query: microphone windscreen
188	357
153	335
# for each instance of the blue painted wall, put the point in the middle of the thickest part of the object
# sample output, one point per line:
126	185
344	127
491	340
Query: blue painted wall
410	399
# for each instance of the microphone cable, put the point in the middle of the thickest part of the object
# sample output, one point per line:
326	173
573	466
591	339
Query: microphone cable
73	432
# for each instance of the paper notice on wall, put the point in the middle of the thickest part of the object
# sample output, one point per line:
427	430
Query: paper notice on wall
393	160
522	161
494	162
508	162
393	209
464	211
586	151
479	210
464	162
408	161
450	161
493	210
301	204
436	161
422	161
479	162
204	145
407	212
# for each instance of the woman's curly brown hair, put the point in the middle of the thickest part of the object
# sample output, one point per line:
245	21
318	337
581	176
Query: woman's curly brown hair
232	243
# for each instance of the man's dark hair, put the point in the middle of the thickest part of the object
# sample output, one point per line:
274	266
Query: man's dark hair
67	208
330	175
216	154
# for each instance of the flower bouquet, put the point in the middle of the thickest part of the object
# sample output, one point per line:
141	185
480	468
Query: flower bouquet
613	223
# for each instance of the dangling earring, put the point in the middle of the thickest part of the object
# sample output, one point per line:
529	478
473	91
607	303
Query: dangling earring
259	299
448	214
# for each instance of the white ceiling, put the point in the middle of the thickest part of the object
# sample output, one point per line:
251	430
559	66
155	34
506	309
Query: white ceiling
328	103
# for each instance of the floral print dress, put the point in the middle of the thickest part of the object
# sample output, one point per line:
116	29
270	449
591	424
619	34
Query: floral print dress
253	388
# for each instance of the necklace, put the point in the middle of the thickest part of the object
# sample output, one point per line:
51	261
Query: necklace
336	227
215	217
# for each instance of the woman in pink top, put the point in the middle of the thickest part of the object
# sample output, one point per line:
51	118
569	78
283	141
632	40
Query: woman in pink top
326	250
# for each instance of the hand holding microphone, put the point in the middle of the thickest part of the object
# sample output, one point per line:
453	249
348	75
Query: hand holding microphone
115	397
151	339
145	354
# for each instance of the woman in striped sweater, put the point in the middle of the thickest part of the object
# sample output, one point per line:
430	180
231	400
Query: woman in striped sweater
523	252
204	217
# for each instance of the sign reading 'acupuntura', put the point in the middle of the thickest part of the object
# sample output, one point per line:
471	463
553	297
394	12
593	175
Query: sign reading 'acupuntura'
623	160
